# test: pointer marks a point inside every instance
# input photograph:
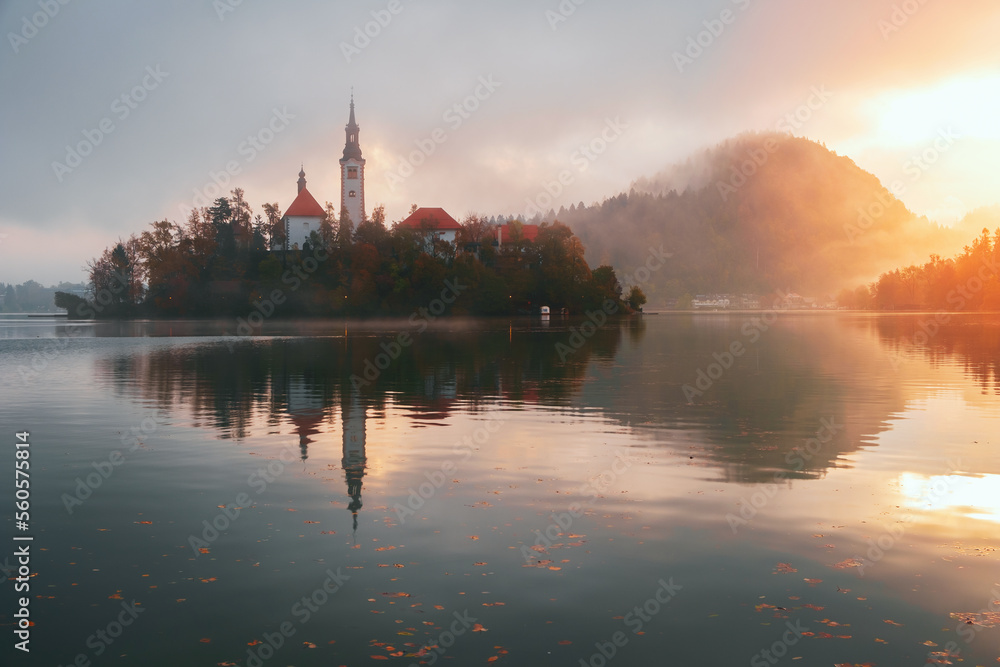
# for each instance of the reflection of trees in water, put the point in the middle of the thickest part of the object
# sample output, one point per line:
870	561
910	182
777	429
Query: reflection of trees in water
232	386
227	384
748	423
973	340
771	400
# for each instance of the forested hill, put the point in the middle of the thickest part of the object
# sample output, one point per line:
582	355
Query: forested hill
758	213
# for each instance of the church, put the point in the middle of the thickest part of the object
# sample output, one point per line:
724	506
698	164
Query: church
305	214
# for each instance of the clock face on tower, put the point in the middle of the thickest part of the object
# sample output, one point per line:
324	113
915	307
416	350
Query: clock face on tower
352	193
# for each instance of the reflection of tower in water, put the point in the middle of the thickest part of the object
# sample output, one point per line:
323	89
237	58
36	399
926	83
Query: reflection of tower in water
354	461
305	408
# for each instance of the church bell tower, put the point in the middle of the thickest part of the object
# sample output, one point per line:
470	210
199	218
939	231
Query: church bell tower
352	173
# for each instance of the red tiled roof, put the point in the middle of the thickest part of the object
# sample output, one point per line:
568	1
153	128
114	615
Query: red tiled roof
430	218
528	232
305	204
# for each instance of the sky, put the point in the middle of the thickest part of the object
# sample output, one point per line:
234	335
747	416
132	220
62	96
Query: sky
116	114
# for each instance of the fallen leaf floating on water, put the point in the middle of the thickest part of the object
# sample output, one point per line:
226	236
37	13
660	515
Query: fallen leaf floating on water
813	581
892	622
397	595
986	619
784	568
145	523
478	627
847	563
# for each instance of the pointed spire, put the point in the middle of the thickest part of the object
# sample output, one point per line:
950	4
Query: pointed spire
302	178
352	149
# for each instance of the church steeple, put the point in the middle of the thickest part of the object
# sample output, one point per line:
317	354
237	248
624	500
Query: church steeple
352	172
354	461
302	179
352	148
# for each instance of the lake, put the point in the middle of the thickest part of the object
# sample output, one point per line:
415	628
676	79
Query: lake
679	489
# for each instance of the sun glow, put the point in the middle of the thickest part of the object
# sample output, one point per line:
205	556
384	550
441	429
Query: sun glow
966	106
977	497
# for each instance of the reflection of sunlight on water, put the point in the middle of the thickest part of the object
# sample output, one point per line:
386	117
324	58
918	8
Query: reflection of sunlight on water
977	497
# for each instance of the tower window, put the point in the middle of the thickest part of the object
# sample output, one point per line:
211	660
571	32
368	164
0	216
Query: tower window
352	172
352	193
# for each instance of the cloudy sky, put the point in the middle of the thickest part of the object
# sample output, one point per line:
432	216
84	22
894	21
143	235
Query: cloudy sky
116	114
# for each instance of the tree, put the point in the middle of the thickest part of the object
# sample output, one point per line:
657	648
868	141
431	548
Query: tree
636	298
276	230
345	229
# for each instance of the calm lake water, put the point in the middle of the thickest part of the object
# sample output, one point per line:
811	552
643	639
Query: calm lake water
508	491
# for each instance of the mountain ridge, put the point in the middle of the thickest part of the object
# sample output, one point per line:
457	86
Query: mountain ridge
760	212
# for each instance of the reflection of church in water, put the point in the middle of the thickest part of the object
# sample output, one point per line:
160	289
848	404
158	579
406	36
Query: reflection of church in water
305	408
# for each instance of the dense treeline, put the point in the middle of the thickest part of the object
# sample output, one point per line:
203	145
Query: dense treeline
219	264
969	282
31	296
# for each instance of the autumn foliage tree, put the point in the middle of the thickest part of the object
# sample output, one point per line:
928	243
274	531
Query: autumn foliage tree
224	260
